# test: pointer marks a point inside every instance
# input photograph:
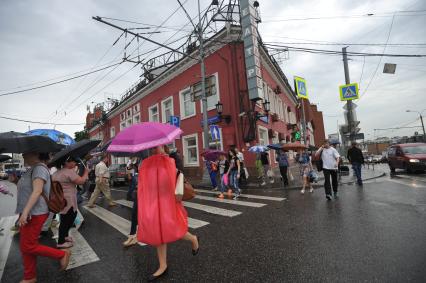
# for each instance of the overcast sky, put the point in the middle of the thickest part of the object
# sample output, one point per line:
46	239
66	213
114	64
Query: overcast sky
47	39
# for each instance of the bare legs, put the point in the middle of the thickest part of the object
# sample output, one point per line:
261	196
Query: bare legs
162	252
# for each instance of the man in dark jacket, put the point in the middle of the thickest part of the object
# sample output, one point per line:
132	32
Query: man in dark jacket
356	158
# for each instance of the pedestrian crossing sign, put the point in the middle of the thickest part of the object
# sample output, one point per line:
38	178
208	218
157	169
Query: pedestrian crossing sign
300	86
349	92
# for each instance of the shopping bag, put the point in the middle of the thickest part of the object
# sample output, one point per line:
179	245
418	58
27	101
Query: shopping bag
246	172
225	179
78	220
179	186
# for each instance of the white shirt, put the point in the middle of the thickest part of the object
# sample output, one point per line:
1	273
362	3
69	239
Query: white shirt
329	158
240	156
101	170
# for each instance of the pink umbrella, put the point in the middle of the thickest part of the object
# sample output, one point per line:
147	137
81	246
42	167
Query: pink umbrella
143	136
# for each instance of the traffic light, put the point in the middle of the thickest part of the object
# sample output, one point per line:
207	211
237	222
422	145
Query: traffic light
296	135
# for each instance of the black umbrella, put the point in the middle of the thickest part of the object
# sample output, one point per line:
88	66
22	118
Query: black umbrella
77	150
4	157
25	143
11	134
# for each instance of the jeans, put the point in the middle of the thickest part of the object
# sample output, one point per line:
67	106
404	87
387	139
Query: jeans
67	220
357	170
30	247
134	220
222	185
233	180
327	185
283	171
213	175
132	186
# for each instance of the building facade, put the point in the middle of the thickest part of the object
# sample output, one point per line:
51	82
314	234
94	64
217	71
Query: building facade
242	123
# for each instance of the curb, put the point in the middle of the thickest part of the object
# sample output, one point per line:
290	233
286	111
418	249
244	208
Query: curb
315	185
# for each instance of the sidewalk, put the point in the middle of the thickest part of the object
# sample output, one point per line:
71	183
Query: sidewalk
296	184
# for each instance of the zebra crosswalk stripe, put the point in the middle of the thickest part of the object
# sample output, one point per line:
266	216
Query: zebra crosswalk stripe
211	209
236	202
192	223
119	223
6	240
245	195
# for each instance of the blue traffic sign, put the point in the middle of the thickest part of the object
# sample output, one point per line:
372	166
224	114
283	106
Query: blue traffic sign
214	132
301	90
175	121
349	92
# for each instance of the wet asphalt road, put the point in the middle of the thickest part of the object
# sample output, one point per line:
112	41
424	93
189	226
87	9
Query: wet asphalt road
374	233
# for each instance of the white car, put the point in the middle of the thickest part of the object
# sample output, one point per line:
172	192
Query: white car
3	175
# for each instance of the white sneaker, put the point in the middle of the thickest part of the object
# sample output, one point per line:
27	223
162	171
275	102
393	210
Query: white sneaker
302	191
264	183
311	190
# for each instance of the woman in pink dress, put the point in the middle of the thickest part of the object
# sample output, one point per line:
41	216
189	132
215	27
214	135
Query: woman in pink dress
162	219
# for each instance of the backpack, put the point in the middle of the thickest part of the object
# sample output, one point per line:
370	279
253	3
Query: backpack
319	163
56	202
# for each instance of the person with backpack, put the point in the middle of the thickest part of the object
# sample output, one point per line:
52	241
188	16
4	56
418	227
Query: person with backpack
69	179
33	207
282	160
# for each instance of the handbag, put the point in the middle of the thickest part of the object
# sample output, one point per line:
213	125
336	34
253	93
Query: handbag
225	179
179	186
184	190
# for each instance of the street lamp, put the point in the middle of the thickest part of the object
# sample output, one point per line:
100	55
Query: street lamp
421	119
266	106
219	110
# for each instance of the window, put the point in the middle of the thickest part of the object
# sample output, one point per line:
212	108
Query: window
129	113
187	106
166	109
122	125
136	119
190	150
213	86
112	132
263	136
129	122
136	108
122	116
153	113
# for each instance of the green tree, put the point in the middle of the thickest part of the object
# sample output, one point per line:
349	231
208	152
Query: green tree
81	135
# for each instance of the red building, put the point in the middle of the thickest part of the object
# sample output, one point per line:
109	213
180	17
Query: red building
241	123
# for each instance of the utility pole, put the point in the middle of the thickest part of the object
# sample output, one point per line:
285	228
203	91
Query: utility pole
423	126
303	122
203	81
348	103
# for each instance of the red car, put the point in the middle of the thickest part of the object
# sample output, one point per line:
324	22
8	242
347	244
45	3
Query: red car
408	156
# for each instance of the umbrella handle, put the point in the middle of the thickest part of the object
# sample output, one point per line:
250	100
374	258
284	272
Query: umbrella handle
82	162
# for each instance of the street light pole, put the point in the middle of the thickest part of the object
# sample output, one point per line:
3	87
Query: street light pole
349	102
421	120
203	81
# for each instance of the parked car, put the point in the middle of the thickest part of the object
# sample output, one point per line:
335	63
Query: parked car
408	156
3	175
118	174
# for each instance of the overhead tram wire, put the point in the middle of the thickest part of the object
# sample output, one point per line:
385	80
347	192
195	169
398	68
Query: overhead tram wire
58	82
413	45
136	49
40	122
173	13
81	82
337	52
367	15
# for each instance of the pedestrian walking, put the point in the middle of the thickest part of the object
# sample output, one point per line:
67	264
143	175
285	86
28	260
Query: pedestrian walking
174	153
223	169
69	179
234	172
243	170
306	168
330	162
212	170
132	170
162	218
132	239
259	167
34	211
356	158
102	183
264	158
283	163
